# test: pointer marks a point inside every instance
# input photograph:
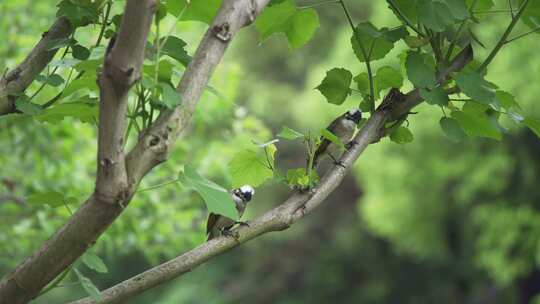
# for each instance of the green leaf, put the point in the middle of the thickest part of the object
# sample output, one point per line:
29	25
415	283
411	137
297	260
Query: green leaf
80	52
458	9
388	77
439	14
480	5
94	262
331	137
336	86
24	105
88	286
415	42
531	15
289	133
164	73
406	8
79	13
270	150
420	73
249	167
196	10
299	25
86	82
174	47
474	86
435	96
302	27
55	80
362	83
474	121
217	199
51	198
377	43
85	112
171	98
533	124
275	19
506	100
299	177
64	63
401	135
452	129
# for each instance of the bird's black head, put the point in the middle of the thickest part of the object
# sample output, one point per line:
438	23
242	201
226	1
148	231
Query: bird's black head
245	192
354	115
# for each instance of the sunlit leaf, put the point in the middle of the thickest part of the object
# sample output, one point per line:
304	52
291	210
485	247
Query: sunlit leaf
94	262
217	199
171	98
196	10
289	133
331	137
249	167
51	198
474	121
533	124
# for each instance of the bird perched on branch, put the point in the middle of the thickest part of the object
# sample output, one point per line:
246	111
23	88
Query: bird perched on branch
220	225
343	128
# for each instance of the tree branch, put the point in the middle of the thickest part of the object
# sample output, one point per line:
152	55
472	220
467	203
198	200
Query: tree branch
283	216
16	81
121	69
97	213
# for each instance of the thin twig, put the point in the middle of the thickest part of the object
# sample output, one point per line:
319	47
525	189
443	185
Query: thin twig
522	35
364	54
505	35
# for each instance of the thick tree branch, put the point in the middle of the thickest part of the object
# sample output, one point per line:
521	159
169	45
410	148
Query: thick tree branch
97	213
283	216
16	81
121	69
154	146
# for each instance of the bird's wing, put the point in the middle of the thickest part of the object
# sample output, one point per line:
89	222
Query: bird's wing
212	219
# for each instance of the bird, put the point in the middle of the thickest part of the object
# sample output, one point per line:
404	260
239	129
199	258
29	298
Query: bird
342	127
220	225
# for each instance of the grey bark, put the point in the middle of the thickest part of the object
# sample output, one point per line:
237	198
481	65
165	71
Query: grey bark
17	80
294	208
107	202
121	69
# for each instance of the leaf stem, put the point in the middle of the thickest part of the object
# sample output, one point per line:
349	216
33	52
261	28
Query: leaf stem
55	283
104	24
503	38
495	11
522	35
159	185
318	4
454	41
364	54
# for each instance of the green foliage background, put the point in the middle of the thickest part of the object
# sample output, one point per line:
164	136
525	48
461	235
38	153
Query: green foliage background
433	220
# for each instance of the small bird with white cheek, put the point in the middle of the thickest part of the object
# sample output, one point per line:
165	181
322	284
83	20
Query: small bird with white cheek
343	127
220	225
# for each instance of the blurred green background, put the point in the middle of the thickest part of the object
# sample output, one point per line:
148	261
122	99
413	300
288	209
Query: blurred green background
428	222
